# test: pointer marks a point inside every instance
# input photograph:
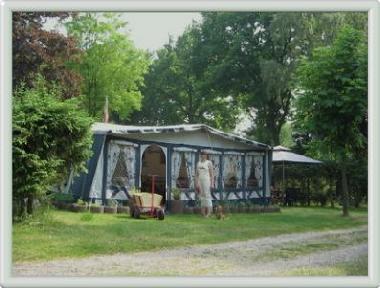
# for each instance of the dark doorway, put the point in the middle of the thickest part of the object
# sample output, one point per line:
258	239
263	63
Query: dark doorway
153	162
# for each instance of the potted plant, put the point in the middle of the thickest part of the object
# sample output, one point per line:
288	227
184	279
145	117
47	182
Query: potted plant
111	207
79	206
123	209
256	209
96	208
176	203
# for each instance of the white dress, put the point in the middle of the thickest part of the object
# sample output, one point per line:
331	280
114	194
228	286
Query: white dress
203	169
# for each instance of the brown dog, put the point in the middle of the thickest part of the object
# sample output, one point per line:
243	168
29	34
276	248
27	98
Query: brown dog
219	212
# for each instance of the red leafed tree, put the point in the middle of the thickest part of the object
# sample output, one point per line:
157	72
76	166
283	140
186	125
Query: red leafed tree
49	53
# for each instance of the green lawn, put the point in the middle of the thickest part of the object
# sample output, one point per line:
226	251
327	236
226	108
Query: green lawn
66	234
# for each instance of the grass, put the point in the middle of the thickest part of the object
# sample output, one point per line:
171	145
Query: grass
70	235
359	267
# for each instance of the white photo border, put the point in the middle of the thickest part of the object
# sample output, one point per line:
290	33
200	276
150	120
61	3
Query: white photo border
6	9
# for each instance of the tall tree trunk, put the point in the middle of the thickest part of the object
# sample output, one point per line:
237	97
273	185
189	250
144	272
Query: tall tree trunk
332	193
19	207
303	189
308	192
191	111
357	200
344	190
29	207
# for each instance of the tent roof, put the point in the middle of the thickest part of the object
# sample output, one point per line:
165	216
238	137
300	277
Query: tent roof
127	129
283	154
280	148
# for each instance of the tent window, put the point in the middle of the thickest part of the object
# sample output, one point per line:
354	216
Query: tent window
254	171
120	175
183	180
183	163
120	170
232	174
215	159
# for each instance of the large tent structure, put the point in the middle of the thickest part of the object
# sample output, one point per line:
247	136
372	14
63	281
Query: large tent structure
124	157
283	155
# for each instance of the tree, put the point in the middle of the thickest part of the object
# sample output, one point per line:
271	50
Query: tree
50	137
254	56
37	51
333	103
163	86
110	66
285	136
176	89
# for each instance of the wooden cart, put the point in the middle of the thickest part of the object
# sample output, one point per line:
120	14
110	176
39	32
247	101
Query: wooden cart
148	204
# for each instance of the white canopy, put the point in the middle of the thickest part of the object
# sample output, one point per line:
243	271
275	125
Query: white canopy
283	154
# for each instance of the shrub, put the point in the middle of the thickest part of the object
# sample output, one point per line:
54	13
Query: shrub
61	197
50	137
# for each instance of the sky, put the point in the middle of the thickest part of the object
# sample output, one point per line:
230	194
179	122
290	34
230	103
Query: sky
151	30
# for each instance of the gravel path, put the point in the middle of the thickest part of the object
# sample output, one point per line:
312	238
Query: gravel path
260	257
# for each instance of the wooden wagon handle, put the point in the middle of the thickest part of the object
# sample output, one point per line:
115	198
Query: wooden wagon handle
151	208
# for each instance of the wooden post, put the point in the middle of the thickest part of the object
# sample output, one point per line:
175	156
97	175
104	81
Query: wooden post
308	191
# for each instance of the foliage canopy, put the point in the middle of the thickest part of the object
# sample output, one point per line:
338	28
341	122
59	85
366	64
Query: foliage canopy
111	66
332	105
38	51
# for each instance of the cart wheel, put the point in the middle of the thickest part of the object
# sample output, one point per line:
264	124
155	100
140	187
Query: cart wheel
160	214
136	212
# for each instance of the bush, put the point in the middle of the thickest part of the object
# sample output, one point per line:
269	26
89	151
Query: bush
50	137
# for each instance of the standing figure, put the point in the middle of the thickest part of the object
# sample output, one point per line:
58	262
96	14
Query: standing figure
204	181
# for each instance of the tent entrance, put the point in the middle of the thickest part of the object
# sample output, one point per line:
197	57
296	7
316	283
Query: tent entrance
153	162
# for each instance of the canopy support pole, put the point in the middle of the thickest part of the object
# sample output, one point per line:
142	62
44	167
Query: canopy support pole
283	177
